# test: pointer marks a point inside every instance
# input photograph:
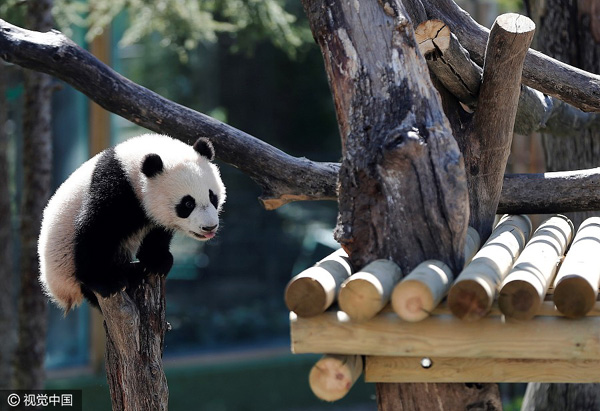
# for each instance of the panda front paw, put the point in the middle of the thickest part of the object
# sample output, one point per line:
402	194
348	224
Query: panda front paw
108	289
159	264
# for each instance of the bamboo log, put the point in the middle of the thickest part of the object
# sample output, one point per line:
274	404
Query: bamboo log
523	290
332	376
365	293
472	294
313	290
576	284
417	295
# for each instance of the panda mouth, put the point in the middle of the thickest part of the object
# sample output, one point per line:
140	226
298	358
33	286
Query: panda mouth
205	236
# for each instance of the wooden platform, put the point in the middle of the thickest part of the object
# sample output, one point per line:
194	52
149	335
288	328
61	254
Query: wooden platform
548	348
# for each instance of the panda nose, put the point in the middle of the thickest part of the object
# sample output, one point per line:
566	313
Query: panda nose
209	228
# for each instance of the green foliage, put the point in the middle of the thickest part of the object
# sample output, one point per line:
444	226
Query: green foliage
185	24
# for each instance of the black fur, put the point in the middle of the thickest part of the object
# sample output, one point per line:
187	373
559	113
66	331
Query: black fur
214	200
152	165
185	207
205	148
110	214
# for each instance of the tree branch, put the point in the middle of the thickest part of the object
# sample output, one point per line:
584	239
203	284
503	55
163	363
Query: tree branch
281	176
452	65
27	48
545	193
570	84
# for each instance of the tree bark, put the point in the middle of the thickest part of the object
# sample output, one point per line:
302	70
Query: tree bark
568	32
7	302
403	193
135	326
31	350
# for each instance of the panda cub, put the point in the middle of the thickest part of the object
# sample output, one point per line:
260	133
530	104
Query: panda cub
123	203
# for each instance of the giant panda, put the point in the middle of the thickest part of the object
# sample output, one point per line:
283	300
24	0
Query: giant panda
123	203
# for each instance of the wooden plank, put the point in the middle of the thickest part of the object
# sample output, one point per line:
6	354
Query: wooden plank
410	369
447	336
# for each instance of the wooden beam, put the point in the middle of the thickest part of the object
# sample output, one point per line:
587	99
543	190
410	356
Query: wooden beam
366	292
333	375
523	290
487	141
576	284
313	290
447	336
474	291
443	369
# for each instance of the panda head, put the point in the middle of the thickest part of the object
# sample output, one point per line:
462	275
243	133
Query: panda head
183	190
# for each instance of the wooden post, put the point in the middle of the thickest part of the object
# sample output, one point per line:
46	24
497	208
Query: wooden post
523	290
365	293
576	284
487	140
135	326
333	375
313	290
472	294
415	297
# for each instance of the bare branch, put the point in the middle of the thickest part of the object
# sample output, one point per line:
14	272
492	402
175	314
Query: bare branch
452	65
281	176
545	193
27	48
572	85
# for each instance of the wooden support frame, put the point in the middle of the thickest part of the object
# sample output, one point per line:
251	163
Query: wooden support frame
443	335
442	369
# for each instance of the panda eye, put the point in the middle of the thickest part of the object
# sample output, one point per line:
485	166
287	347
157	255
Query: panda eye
214	200
185	207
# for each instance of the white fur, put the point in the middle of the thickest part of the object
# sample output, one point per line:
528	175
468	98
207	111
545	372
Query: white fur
56	246
185	173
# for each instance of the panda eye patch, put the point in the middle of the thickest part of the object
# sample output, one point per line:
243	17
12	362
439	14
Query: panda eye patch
185	206
214	200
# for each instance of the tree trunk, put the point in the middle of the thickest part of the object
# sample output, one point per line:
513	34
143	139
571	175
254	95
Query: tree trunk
135	326
7	303
403	191
31	350
570	32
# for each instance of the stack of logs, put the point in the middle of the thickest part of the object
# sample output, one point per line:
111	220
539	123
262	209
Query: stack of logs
514	276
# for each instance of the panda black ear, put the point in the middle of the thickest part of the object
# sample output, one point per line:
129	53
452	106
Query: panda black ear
152	165
205	148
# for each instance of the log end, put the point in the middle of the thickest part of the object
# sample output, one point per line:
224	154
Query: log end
574	296
470	299
412	300
519	299
360	299
332	376
306	297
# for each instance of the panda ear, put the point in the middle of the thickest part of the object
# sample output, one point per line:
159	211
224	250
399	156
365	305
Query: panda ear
205	148
152	165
